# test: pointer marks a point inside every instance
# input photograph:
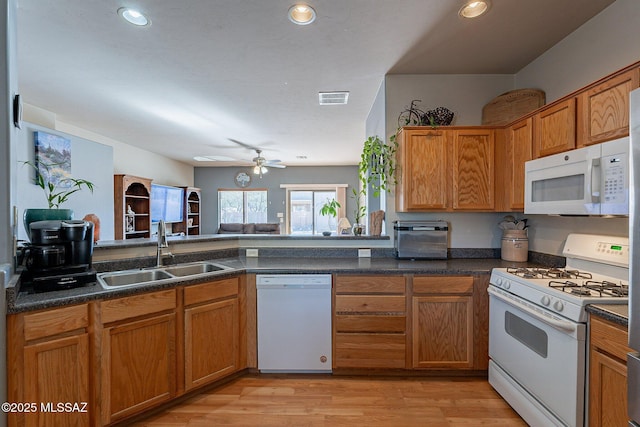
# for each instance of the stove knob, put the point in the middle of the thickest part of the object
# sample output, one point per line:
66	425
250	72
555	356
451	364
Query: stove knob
499	281
558	305
507	284
546	301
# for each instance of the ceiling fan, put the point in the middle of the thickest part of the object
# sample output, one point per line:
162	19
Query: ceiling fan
261	163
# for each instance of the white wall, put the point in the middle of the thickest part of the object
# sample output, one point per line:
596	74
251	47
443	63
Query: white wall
606	43
127	159
89	160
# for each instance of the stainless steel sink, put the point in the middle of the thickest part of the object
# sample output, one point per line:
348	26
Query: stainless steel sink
139	277
194	268
125	278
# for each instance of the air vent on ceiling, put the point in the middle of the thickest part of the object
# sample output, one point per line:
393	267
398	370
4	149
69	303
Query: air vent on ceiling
333	98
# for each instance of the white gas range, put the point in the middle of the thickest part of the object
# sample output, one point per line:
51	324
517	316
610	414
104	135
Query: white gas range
537	327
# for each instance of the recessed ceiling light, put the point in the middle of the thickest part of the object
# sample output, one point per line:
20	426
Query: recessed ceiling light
301	14
474	8
134	17
333	98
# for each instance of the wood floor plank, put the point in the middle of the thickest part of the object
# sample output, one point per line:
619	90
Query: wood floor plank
325	400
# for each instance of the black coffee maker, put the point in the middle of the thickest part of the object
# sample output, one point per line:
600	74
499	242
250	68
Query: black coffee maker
59	256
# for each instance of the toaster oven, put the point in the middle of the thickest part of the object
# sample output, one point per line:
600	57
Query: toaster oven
420	239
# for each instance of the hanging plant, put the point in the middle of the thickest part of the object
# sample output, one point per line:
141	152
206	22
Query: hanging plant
377	167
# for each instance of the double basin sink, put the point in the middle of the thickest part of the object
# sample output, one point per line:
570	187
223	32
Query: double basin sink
151	275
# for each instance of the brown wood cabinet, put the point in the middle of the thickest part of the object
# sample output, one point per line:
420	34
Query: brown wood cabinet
555	129
190	224
45	345
513	149
607	373
603	110
424	177
138	368
211	331
135	192
370	322
473	169
445	169
443	322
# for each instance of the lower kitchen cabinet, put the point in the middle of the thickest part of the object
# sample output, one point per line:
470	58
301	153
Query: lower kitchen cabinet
211	328
607	373
442	322
369	322
48	345
138	368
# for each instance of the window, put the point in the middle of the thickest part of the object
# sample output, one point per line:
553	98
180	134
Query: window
304	203
242	206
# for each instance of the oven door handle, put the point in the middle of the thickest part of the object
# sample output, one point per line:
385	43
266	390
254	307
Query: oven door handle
554	323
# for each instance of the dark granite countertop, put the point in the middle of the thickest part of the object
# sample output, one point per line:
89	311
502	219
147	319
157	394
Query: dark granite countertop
616	313
22	301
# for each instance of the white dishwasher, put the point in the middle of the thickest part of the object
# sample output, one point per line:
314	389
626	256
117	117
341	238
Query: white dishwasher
294	322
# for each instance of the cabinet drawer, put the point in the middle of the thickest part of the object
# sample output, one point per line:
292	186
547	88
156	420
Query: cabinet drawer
364	323
370	284
210	291
369	351
369	304
609	337
443	285
56	321
138	305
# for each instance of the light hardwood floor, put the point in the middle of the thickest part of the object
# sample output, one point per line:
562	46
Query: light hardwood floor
323	400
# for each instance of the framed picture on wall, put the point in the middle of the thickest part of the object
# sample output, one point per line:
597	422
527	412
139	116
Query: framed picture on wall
53	158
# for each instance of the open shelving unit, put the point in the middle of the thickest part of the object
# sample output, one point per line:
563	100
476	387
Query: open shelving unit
190	224
134	192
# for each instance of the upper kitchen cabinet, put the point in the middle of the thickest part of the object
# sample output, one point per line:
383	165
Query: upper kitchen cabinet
445	169
603	110
513	149
473	166
423	175
555	129
132	207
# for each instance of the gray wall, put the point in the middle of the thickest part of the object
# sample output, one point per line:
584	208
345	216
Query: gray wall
210	179
604	44
608	42
89	160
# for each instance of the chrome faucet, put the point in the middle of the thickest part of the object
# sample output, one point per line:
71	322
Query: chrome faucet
162	242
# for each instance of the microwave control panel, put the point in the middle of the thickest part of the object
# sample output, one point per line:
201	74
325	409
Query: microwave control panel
615	179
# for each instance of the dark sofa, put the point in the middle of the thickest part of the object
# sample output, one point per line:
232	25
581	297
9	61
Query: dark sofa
252	228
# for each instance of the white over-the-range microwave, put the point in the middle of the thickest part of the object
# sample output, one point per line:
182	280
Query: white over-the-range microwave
593	180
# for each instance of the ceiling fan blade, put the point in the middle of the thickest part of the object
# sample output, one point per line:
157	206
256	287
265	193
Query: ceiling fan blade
270	165
242	144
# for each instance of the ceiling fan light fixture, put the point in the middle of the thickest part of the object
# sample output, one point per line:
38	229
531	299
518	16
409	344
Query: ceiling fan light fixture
301	14
134	17
474	8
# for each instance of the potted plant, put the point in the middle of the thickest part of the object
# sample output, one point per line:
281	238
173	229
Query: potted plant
377	167
56	192
330	209
359	212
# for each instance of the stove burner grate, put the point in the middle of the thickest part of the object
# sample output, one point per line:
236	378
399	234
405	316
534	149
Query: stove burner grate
591	288
608	289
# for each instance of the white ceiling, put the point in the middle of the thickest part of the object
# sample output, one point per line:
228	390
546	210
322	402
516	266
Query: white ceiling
209	70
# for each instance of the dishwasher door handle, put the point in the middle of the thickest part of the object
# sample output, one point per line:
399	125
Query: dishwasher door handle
281	286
